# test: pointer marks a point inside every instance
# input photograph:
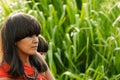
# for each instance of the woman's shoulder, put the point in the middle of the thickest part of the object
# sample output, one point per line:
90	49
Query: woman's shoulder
3	73
5	76
3	70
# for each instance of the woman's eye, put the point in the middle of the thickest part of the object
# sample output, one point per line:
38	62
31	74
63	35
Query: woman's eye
30	35
37	35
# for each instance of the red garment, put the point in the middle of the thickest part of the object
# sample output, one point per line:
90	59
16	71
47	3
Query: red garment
28	70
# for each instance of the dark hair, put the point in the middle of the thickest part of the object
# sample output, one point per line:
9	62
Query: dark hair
42	45
16	27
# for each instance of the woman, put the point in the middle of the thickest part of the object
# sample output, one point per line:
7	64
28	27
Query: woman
20	61
42	46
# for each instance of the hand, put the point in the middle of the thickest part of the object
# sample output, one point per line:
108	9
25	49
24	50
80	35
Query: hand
42	58
48	73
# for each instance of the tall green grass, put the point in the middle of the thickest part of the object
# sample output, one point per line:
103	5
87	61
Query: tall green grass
83	36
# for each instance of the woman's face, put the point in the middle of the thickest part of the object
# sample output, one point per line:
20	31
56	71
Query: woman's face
28	45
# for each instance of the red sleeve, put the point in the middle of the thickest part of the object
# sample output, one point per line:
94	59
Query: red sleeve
3	70
3	73
41	77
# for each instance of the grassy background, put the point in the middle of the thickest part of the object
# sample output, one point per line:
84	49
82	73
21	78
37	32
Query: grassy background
83	35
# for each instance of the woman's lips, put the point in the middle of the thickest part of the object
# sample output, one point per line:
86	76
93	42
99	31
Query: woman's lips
34	47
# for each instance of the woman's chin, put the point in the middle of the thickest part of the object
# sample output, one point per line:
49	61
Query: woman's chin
33	52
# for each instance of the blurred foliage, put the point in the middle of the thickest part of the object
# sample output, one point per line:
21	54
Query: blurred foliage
83	35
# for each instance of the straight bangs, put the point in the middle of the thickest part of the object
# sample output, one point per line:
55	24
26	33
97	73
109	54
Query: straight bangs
28	30
25	26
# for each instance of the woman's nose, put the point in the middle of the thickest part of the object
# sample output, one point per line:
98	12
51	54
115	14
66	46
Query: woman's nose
35	39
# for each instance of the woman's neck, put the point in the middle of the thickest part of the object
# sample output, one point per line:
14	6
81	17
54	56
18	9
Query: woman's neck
25	59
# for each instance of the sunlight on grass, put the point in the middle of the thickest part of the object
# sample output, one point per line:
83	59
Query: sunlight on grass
83	35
